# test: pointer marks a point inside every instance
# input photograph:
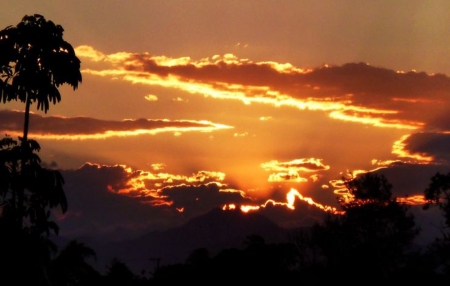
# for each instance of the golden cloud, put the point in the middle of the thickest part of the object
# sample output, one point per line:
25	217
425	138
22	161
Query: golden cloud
355	92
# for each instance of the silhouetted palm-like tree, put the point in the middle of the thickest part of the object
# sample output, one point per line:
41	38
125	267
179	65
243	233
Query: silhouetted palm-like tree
35	61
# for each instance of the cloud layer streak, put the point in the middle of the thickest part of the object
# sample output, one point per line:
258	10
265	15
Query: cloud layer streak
79	128
355	92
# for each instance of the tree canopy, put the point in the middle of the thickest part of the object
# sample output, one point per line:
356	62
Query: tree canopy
35	60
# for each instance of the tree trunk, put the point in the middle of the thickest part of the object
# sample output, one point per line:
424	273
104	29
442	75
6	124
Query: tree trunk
25	153
26	122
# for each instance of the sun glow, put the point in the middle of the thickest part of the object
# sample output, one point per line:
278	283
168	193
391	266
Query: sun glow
413	200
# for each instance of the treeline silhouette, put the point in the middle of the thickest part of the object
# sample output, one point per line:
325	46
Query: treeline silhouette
370	242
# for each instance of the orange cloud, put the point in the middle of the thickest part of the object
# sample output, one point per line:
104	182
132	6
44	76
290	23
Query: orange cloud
355	92
289	171
305	165
161	189
291	197
291	176
151	97
194	193
413	200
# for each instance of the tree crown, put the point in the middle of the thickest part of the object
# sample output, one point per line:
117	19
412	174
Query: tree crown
36	60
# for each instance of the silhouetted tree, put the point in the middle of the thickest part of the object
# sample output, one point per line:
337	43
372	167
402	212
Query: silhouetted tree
199	257
371	238
275	260
70	267
172	274
257	263
437	194
42	189
119	274
24	239
34	62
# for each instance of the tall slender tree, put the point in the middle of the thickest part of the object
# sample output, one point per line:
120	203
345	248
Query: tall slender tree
35	61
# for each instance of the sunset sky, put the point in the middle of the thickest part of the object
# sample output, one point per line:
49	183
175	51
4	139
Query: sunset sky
190	105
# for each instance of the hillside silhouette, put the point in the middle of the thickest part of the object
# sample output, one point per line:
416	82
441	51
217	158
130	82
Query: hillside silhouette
214	231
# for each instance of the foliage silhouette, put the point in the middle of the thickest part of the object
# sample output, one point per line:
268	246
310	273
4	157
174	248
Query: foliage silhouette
372	237
257	263
437	194
42	188
35	61
71	268
119	274
24	234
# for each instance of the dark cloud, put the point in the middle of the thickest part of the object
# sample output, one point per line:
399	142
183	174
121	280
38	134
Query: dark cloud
220	71
85	127
310	166
427	144
409	98
414	96
411	179
302	215
196	199
95	209
369	82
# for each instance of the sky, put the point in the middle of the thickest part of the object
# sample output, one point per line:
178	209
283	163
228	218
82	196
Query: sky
261	105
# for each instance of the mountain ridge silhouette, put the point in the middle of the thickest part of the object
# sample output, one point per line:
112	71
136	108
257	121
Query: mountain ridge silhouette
215	230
